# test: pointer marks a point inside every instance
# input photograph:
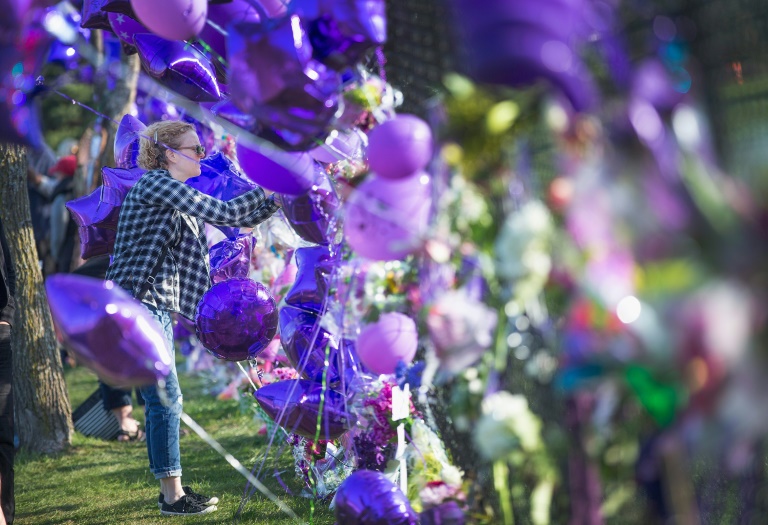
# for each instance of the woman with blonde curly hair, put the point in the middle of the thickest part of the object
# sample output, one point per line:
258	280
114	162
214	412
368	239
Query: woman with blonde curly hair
161	259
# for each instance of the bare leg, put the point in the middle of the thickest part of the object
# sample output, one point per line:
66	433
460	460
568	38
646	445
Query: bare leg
171	489
124	417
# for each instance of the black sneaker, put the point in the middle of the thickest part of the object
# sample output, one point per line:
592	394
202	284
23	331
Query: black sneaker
186	506
197	498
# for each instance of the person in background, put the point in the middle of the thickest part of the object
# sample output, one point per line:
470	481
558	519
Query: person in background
161	259
7	308
59	189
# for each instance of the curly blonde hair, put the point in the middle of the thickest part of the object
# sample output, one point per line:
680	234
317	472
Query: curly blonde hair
151	151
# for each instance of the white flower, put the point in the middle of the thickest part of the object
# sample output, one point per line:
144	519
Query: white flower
523	249
505	425
451	475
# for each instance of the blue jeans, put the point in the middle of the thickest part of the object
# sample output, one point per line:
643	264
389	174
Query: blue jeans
162	420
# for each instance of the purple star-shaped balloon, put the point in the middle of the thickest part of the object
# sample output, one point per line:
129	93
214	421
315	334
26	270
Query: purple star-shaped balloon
179	67
127	141
274	78
311	285
306	407
220	178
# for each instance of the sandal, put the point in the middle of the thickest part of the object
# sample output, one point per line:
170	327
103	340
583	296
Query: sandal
136	435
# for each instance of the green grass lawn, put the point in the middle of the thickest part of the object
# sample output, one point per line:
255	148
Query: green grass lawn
108	482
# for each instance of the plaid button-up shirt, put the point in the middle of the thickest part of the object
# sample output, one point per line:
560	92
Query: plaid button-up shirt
159	212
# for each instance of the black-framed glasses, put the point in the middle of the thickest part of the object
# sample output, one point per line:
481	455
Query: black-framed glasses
198	149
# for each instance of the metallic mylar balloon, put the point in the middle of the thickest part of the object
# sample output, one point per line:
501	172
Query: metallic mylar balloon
87	211
172	19
338	146
127	139
311	285
312	213
231	258
399	147
220	178
94	16
280	171
347	30
125	27
179	67
116	184
236	319
368	497
383	344
118	6
222	15
385	219
274	78
305	344
110	332
300	402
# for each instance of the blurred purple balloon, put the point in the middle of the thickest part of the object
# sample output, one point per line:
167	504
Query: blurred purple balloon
338	146
448	513
127	139
124	28
283	172
19	116
116	184
305	344
231	113
231	258
87	212
399	147
222	15
14	14
310	214
347	30
311	285
118	6
236	319
172	19
274	78
385	219
383	344
368	497
300	402
220	178
94	16
179	67
652	83
110	332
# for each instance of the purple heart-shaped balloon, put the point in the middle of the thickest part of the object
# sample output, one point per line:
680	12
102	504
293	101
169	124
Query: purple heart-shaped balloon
92	315
306	408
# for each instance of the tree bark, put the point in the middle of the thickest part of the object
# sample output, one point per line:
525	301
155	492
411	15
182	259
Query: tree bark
43	412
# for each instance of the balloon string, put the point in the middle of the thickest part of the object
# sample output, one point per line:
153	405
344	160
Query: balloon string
200	431
102	115
250	379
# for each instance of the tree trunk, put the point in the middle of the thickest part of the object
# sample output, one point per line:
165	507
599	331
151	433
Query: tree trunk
43	412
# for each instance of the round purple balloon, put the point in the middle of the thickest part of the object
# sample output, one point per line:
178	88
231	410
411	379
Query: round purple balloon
385	219
111	333
280	171
231	259
127	140
295	404
383	344
368	497
179	67
399	147
311	215
236	319
311	285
